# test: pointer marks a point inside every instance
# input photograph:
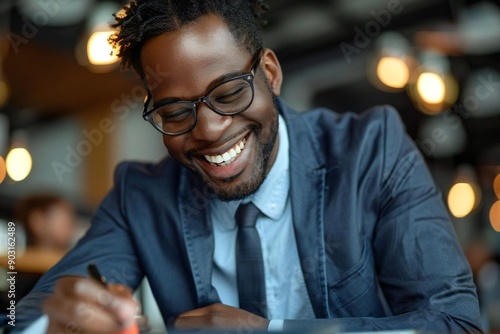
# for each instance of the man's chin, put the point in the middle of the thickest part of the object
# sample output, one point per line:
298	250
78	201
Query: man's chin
232	192
228	189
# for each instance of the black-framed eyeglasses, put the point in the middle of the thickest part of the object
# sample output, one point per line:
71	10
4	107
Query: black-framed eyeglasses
228	98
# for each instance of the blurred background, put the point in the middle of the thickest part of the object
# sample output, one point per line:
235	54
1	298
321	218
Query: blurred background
68	114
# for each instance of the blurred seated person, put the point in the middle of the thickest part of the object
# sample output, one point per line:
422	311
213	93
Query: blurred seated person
48	221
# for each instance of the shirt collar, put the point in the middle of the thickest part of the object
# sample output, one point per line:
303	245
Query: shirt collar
272	195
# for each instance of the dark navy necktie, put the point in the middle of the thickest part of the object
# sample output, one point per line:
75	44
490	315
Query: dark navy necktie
249	263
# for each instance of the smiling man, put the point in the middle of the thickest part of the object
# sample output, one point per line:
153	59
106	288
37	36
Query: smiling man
260	218
228	136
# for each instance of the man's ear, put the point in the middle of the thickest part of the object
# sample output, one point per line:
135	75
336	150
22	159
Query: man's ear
272	69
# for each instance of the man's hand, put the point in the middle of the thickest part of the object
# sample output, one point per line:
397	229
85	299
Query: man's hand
84	306
220	316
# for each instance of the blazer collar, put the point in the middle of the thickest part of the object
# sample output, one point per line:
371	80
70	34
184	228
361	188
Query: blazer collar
307	189
198	236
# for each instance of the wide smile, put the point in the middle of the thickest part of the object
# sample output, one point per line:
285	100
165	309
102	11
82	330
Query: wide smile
230	163
226	158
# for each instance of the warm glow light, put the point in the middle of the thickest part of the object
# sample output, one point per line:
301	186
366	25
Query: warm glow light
18	163
3	171
393	72
431	87
496	186
99	50
461	199
495	216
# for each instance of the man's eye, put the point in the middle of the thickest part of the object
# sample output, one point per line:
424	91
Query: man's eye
231	95
174	116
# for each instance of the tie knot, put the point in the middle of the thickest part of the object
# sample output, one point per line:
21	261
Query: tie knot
246	215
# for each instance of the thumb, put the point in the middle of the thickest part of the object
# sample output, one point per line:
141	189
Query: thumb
125	306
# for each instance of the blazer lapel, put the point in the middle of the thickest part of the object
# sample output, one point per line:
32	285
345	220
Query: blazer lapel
198	236
307	188
307	211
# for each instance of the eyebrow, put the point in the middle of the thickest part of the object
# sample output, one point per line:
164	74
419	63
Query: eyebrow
210	86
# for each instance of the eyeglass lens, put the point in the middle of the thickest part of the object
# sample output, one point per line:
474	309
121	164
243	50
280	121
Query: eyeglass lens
229	98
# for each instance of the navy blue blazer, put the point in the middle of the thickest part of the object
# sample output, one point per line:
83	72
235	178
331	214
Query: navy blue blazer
376	245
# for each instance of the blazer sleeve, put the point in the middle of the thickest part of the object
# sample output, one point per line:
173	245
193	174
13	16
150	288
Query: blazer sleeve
420	265
108	243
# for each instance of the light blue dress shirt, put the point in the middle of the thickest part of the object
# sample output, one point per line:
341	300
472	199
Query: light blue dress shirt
286	293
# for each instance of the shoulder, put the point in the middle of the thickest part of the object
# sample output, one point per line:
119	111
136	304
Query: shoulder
380	118
146	170
346	133
149	177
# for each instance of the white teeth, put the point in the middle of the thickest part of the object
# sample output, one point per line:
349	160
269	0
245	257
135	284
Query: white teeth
227	157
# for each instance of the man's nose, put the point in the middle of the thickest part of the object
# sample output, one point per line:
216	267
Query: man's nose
209	125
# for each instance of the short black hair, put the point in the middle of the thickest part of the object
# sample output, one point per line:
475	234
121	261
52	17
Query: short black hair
142	20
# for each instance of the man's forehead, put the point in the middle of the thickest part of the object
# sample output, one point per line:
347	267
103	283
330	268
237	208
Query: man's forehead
177	64
195	54
208	32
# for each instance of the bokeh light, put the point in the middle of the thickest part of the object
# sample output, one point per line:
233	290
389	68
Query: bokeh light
495	216
99	51
3	170
393	72
431	88
496	186
461	199
18	163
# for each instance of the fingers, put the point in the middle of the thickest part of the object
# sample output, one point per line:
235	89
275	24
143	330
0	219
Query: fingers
194	322
90	307
125	292
122	307
120	290
80	316
197	312
219	316
205	317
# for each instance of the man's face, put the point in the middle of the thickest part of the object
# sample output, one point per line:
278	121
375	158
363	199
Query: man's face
191	61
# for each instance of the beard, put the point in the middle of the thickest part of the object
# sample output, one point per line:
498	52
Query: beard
260	168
